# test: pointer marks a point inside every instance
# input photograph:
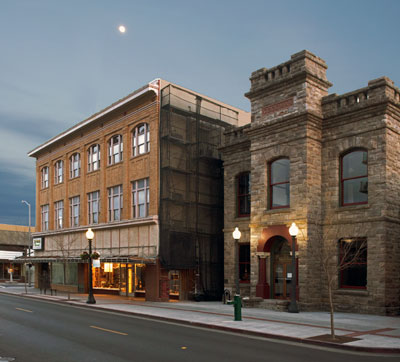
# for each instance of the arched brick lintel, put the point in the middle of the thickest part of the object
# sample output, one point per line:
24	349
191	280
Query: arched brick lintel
266	241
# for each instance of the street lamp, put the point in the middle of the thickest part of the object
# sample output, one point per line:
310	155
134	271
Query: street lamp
29	243
89	237
293	308
237	303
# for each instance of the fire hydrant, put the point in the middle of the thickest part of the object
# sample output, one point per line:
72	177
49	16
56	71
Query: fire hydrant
237	305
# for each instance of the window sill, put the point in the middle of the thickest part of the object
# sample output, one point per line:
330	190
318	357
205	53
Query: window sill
245	217
352	292
352	207
93	171
283	210
114	164
138	156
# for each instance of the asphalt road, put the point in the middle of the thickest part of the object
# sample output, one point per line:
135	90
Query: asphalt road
35	330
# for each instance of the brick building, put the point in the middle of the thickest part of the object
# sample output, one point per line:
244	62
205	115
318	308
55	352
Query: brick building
145	175
329	163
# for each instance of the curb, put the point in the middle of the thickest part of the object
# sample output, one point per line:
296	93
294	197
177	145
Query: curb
304	341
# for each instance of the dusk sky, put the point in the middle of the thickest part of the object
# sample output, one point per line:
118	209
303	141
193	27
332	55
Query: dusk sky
62	61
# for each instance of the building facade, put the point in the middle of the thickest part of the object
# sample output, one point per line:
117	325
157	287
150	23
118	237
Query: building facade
329	163
141	173
14	244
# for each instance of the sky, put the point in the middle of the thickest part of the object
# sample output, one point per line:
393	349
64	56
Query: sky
62	61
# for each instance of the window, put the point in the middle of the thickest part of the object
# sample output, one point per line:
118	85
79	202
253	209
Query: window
59	214
115	203
354	178
74	211
115	148
45	217
244	263
58	174
243	194
94	207
75	165
353	263
141	139
45	177
279	183
140	198
94	158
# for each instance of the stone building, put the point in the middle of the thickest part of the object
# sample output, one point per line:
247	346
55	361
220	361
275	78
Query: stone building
144	174
329	163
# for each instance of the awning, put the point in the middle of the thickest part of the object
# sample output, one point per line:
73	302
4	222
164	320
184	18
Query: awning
57	259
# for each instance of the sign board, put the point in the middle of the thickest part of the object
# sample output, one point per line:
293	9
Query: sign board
96	263
38	243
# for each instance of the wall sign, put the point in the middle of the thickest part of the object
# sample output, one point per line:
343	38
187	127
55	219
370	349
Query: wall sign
38	243
276	107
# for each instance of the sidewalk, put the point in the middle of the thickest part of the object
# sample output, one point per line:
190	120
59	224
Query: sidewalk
369	333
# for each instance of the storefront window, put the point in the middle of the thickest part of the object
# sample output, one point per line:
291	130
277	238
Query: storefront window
174	283
127	279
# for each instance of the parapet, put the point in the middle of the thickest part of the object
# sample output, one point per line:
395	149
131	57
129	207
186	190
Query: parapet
378	90
303	62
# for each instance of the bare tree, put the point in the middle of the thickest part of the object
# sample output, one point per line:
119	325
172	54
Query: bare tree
65	244
335	258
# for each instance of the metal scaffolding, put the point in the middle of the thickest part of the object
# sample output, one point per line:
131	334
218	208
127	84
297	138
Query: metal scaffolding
191	187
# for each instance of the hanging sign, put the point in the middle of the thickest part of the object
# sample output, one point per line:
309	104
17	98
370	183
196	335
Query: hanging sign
96	263
38	243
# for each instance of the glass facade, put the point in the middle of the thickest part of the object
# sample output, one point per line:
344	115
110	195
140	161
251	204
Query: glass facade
121	278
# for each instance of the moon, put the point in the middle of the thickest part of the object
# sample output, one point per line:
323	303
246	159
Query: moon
122	29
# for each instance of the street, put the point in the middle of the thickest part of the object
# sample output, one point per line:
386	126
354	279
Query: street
32	330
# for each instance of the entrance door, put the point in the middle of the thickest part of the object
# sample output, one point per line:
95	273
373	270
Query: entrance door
282	279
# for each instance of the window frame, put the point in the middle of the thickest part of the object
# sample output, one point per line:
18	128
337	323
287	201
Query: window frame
240	198
363	262
74	201
58	172
135	198
91	153
59	215
44	211
271	185
75	160
135	140
112	195
91	201
112	143
44	177
343	180
246	262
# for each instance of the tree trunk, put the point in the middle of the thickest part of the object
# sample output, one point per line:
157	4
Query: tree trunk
332	311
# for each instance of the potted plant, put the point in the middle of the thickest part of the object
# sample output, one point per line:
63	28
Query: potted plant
85	255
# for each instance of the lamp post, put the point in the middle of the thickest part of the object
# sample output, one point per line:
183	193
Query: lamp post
89	237
293	308
29	243
237	302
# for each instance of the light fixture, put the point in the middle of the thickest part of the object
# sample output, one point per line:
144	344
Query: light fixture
293	230
236	233
89	234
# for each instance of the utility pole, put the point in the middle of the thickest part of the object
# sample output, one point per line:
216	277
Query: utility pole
29	243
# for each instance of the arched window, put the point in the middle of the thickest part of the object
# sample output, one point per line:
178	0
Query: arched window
115	149
93	158
75	165
58	172
243	194
279	183
44	177
141	139
354	178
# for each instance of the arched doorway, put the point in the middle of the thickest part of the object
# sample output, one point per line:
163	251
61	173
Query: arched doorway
281	268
